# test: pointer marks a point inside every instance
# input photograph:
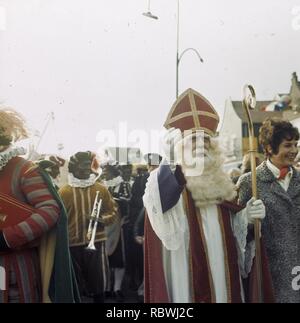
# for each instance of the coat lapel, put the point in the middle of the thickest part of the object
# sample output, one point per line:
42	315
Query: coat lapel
294	187
280	192
265	175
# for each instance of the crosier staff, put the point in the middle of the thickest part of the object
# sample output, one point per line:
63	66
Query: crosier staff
249	102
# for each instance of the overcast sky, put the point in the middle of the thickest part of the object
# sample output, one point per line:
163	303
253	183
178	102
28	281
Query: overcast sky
96	63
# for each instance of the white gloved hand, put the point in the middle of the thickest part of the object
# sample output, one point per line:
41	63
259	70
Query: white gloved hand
255	209
171	138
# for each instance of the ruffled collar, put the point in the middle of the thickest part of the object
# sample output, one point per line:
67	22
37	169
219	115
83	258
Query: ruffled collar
82	183
114	182
9	153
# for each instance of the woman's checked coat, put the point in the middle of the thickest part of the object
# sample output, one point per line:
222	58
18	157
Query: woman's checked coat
280	228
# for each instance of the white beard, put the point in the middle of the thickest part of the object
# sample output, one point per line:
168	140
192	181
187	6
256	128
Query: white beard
213	186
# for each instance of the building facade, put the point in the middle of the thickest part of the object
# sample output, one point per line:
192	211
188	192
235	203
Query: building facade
233	132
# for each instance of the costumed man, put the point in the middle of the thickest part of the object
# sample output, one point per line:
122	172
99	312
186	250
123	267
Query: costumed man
52	166
79	197
278	186
126	173
153	160
137	212
195	235
33	226
138	188
129	244
121	192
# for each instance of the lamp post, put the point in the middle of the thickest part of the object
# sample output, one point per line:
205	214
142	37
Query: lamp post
178	57
148	13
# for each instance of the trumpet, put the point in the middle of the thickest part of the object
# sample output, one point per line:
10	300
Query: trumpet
94	219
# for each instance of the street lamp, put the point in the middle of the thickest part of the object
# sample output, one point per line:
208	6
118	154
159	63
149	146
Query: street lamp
148	13
178	57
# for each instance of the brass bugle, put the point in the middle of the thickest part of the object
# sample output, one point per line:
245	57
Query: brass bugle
94	219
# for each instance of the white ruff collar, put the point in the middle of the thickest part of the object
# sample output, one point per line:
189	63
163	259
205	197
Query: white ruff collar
82	183
9	153
114	182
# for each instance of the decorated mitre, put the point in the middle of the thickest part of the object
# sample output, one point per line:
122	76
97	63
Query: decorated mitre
192	111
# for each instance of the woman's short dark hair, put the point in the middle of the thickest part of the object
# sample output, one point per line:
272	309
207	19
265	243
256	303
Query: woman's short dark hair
273	131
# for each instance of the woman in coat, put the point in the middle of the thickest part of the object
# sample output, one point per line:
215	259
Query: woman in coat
278	185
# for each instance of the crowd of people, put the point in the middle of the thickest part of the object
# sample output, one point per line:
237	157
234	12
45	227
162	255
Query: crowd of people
178	230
